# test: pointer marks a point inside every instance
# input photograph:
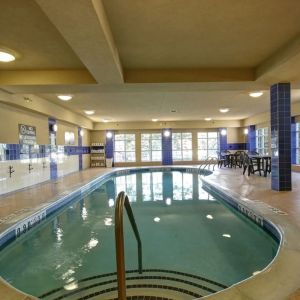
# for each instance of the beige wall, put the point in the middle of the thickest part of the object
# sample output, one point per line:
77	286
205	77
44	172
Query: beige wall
63	127
47	108
10	117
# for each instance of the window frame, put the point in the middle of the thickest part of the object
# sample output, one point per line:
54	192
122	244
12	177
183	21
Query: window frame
207	144
125	151
150	151
181	150
262	139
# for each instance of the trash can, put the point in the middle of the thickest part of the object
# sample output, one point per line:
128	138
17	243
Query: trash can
109	162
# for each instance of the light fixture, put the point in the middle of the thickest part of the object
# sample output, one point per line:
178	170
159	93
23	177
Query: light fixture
81	132
156	219
207	119
209	217
109	134
226	235
224	110
105	121
246	131
6	57
223	132
64	97
167	133
55	127
89	112
256	94
154	120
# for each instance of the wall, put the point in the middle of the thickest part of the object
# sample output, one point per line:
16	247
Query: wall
36	157
235	137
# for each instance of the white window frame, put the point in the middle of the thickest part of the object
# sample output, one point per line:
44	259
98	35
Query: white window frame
181	150
262	140
207	138
151	152
125	151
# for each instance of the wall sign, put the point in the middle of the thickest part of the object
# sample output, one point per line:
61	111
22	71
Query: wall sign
27	134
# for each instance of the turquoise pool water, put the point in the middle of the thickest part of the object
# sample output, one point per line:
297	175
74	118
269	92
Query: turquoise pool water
182	228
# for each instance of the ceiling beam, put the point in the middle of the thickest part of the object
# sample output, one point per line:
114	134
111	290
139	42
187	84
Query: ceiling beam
48	77
189	75
282	65
84	25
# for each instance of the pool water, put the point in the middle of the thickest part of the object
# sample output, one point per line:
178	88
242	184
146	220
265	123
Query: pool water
182	228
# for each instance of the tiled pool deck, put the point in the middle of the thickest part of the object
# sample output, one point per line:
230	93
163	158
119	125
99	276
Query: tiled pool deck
280	281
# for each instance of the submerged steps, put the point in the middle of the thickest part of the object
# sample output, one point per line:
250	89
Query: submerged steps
152	284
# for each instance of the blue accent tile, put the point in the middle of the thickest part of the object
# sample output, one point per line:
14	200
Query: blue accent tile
109	147
282	137
223	140
166	142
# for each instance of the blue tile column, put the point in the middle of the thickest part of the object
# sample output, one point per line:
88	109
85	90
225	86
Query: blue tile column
251	144
166	146
109	146
293	141
281	136
53	162
80	148
223	140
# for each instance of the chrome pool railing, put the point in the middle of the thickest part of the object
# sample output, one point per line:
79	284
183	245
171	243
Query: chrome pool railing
121	201
207	163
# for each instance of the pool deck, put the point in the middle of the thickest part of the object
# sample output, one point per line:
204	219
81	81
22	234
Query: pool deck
279	281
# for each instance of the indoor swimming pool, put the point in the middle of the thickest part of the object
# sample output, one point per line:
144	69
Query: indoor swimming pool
185	232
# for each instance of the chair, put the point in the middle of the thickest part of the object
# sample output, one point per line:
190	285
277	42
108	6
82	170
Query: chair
239	158
252	165
221	159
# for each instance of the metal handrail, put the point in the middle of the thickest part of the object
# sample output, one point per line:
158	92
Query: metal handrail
121	201
209	161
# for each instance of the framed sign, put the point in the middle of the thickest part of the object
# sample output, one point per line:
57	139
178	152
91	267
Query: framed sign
27	134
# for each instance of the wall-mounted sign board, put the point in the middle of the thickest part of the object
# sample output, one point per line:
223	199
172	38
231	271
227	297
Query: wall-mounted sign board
27	134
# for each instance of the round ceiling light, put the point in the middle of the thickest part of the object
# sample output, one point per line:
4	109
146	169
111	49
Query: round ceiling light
207	119
64	97
6	56
89	112
256	94
224	110
154	120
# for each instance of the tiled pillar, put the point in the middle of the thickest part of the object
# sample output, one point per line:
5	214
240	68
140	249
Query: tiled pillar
109	146
281	136
53	161
251	144
166	143
80	148
293	140
223	139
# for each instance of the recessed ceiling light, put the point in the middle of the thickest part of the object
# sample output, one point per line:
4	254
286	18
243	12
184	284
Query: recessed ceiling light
207	119
224	110
154	120
256	94
105	121
89	112
64	97
6	57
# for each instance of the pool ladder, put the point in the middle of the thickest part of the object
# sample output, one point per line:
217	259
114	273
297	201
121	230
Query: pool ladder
121	201
207	163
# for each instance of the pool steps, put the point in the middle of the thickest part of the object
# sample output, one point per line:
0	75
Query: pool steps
153	282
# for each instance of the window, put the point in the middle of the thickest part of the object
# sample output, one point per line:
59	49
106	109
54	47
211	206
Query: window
262	141
297	143
151	146
208	144
124	148
182	146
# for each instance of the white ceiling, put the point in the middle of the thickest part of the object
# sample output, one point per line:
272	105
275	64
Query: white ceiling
137	60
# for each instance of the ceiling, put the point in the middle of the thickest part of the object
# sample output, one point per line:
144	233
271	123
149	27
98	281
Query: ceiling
137	60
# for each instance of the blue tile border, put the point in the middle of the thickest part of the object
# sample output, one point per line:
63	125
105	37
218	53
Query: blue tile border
68	196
